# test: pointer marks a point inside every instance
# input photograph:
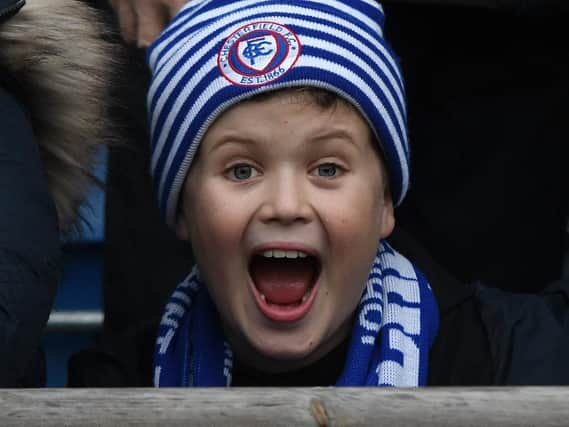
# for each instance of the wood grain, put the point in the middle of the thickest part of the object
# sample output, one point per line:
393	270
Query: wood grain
523	406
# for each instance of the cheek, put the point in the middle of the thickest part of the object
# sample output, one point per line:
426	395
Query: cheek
216	236
357	217
353	229
216	222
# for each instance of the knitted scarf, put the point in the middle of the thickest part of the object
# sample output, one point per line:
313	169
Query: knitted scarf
395	325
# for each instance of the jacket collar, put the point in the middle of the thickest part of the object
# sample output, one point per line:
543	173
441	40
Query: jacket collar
9	8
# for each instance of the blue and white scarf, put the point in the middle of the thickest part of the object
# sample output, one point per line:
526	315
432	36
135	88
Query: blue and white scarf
395	326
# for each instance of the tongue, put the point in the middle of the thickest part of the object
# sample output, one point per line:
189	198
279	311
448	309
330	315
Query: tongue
282	280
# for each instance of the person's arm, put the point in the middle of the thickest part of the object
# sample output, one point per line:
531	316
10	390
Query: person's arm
529	334
141	21
29	249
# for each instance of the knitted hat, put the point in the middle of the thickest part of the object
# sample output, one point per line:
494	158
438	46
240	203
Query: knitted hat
216	53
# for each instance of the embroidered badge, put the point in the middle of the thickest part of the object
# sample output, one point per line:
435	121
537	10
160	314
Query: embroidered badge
258	53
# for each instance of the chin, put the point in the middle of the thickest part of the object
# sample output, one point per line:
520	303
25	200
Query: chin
284	352
277	353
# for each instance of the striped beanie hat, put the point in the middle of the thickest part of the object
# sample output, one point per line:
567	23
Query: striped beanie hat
215	53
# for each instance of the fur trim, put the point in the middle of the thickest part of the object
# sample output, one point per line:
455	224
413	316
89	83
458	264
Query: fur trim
61	64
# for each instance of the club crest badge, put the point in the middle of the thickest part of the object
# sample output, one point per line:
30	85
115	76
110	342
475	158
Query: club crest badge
258	53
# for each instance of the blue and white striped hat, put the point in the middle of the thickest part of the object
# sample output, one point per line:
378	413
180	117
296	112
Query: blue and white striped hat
216	53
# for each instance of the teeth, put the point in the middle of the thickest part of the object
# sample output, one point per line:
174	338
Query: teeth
278	253
264	298
304	298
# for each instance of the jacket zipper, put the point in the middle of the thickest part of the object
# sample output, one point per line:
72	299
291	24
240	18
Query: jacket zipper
11	10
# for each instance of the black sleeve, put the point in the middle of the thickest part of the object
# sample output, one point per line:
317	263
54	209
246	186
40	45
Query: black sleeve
29	249
529	334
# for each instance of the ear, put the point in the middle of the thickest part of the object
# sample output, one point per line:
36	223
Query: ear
182	227
387	215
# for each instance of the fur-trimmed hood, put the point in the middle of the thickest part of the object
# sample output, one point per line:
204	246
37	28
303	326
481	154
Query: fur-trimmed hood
59	62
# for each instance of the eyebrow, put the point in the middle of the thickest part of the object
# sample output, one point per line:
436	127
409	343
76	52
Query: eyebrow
320	138
231	139
343	134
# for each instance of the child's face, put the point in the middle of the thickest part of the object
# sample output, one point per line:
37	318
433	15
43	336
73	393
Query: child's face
286	177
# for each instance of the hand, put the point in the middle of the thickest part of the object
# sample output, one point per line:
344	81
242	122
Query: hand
141	21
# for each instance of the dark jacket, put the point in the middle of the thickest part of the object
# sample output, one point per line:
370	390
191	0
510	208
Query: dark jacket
47	141
29	249
9	8
492	337
29	246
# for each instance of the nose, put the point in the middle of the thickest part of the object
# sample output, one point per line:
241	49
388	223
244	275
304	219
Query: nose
286	199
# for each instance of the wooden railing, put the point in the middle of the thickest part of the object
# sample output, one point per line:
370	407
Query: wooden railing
524	406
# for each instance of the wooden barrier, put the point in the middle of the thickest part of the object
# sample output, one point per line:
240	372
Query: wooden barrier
524	406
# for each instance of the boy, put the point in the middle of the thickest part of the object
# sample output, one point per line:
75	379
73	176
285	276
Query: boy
279	152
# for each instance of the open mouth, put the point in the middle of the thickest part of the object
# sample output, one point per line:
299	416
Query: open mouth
285	283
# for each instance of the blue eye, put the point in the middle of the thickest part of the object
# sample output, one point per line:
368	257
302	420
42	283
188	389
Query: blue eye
241	172
327	170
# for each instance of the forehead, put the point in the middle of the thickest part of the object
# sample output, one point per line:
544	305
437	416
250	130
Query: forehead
298	111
